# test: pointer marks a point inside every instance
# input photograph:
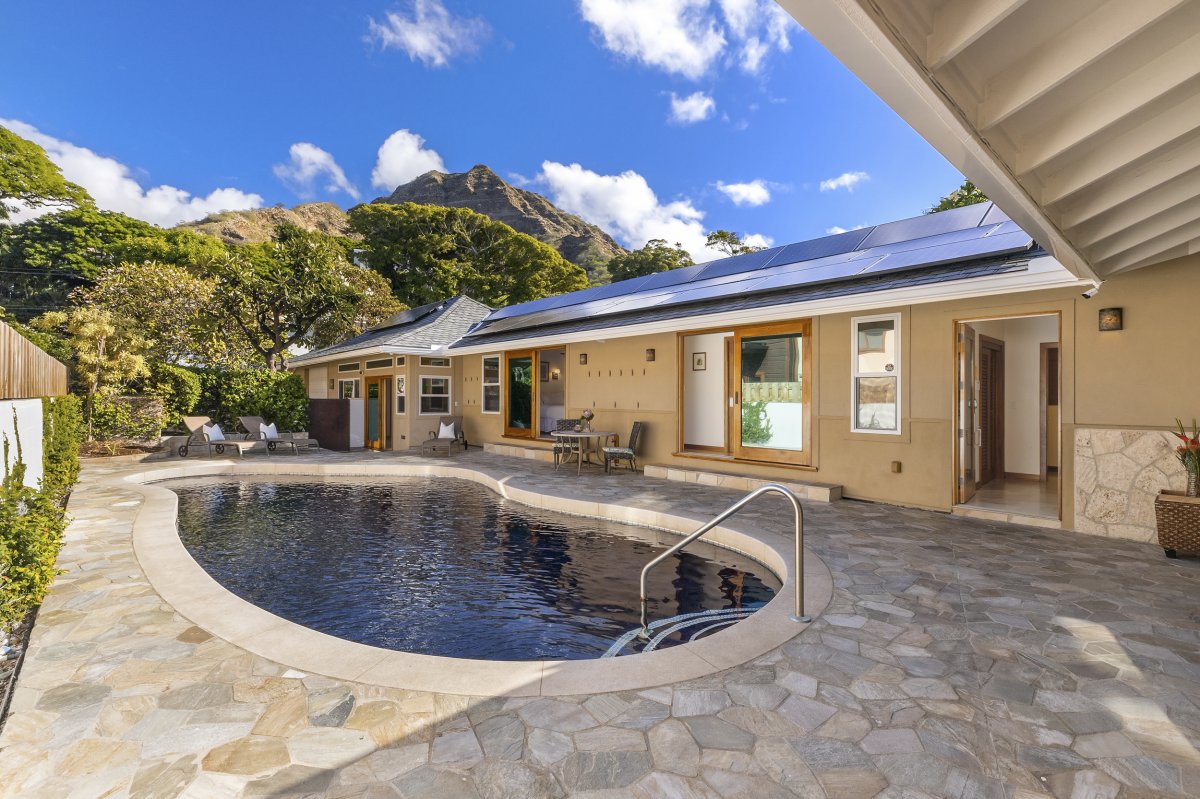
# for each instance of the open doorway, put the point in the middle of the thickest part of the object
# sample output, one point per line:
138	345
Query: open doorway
1007	415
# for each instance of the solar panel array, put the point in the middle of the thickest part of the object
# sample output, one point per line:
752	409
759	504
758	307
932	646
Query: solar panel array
962	234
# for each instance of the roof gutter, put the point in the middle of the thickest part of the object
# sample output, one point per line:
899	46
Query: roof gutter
305	361
859	36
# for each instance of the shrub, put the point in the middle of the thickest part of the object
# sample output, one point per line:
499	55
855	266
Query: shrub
756	425
127	418
176	387
279	397
62	429
31	528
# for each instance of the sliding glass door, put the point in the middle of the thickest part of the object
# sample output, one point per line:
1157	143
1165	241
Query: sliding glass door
771	393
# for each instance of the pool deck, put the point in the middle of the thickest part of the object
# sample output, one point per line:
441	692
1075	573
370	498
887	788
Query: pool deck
957	658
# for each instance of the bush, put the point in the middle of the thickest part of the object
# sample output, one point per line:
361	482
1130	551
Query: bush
176	387
31	529
62	429
279	397
127	418
756	425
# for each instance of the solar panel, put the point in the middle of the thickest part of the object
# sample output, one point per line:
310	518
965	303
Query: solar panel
929	225
995	216
930	242
672	277
824	247
967	250
746	262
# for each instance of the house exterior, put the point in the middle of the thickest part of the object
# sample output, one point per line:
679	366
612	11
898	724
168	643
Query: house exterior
944	362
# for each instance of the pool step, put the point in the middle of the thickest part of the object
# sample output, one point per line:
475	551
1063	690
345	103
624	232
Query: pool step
704	621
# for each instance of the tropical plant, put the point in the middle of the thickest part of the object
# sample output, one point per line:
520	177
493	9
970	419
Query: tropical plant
656	256
729	243
756	424
1188	453
279	397
29	179
964	195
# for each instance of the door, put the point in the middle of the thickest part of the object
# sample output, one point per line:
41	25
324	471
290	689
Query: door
378	413
967	413
771	394
991	409
521	388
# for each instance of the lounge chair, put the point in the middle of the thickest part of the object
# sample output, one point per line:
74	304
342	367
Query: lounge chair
629	453
257	429
565	446
439	443
211	436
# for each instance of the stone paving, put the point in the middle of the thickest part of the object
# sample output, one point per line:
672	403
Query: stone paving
958	658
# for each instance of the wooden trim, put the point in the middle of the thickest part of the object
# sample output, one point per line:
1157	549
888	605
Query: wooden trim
1044	404
997	348
802	457
702	448
26	370
506	404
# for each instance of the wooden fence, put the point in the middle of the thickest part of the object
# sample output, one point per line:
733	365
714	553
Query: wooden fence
26	371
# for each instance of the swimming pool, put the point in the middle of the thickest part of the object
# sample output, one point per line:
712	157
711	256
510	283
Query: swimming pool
446	567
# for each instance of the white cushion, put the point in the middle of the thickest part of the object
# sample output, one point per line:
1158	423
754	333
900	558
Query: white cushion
269	431
446	430
214	433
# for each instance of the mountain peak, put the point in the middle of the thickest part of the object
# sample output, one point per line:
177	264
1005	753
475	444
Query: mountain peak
482	190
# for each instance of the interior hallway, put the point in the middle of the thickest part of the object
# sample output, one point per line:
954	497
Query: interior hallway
1025	497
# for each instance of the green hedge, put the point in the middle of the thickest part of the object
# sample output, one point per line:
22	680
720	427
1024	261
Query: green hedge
32	520
178	388
279	397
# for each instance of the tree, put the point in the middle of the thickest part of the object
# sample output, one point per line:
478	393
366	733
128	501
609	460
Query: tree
430	252
49	257
376	304
964	195
276	294
108	354
656	256
729	243
29	179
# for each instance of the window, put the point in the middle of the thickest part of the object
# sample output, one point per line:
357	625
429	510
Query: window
348	367
876	374
348	389
435	396
491	384
380	363
427	361
399	393
400	360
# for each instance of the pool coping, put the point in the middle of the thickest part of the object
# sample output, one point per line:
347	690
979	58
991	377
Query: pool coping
187	587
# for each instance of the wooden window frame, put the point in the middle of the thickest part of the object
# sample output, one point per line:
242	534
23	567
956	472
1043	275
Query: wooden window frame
803	456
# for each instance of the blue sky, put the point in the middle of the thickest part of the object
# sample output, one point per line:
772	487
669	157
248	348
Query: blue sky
651	118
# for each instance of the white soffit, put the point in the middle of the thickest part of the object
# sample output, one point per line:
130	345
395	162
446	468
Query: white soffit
1080	118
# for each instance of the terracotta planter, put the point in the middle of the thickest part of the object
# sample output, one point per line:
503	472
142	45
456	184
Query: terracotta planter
1178	520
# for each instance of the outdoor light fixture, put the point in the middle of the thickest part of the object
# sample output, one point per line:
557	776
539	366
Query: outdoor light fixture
1111	319
650	355
583	359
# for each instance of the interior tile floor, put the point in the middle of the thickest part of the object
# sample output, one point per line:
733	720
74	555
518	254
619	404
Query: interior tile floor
958	657
1022	497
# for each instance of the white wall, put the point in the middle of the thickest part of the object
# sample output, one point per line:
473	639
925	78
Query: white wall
28	424
705	399
358	417
1023	340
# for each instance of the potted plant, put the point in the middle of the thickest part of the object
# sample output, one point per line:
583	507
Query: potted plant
1178	513
585	419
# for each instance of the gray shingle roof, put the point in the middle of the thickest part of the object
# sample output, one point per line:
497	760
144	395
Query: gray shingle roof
423	328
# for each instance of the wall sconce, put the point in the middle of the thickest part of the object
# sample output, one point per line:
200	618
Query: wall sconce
649	355
1111	319
554	374
583	359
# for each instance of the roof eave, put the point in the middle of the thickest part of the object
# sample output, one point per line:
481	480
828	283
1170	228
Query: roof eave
303	361
864	42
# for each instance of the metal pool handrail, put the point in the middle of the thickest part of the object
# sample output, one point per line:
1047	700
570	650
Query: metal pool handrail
798	562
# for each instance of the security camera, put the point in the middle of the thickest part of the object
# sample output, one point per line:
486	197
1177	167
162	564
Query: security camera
1092	292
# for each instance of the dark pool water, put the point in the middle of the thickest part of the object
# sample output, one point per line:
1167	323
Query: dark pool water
446	567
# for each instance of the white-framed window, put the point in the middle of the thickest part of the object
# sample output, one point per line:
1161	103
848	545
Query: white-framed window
401	360
348	367
875	374
348	389
491	384
435	396
379	363
400	394
435	361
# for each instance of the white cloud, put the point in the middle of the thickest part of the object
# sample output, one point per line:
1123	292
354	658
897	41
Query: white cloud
696	107
846	180
688	37
308	163
753	193
835	230
113	187
626	207
758	240
431	35
402	157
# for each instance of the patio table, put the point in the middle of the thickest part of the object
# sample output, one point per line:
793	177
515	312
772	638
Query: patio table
585	439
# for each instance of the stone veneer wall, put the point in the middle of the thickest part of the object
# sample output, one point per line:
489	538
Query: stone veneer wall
1117	475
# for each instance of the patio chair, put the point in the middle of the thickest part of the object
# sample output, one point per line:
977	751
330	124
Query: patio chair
257	429
212	437
628	453
443	443
565	446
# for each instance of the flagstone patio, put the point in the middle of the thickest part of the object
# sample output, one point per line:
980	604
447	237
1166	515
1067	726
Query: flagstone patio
958	657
